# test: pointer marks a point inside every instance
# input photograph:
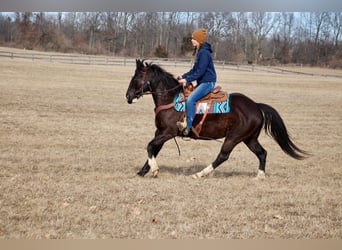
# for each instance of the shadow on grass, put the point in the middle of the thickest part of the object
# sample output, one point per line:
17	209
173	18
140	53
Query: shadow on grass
187	171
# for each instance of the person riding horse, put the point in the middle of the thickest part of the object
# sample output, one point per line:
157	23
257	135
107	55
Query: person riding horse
203	72
243	122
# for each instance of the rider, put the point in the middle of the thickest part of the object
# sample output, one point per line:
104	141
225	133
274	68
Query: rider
203	72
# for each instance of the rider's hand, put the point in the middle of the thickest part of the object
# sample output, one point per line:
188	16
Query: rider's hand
182	81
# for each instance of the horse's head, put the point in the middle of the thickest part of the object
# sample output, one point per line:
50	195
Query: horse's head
140	82
150	78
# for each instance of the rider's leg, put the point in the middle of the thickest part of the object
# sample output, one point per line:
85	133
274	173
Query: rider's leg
200	91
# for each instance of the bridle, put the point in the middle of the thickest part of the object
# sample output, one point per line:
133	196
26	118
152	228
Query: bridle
147	84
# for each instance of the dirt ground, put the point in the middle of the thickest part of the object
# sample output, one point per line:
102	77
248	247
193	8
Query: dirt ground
71	146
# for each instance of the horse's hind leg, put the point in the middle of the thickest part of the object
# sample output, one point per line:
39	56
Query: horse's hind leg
226	149
254	145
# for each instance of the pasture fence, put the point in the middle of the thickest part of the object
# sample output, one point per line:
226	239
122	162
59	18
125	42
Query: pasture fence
164	62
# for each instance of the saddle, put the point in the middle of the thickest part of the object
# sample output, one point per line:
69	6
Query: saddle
215	95
217	100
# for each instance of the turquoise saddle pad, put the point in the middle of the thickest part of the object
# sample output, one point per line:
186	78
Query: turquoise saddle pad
201	107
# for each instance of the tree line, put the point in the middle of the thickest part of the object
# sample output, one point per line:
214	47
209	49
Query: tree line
308	38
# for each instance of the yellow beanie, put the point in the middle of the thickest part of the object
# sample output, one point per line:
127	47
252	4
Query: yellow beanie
199	35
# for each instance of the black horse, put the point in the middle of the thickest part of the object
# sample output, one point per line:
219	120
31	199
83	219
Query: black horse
242	124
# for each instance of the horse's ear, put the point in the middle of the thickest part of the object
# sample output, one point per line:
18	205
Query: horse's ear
139	63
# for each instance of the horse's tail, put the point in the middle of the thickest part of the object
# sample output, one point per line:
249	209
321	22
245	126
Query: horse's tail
275	127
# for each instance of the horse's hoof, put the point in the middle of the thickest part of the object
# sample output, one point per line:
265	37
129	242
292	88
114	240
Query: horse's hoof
155	173
140	174
260	176
196	176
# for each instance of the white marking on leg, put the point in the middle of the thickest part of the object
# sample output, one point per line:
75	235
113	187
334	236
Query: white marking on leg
205	172
154	166
261	175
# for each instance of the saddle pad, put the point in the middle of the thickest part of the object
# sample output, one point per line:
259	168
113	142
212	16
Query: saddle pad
201	107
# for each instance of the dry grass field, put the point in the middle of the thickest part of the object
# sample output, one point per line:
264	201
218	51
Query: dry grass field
71	146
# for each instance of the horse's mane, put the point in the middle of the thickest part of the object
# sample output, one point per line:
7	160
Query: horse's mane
161	75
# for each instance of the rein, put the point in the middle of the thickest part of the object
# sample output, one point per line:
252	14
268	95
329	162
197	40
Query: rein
158	93
148	84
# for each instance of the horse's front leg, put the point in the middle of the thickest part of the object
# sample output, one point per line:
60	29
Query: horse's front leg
153	148
152	152
147	166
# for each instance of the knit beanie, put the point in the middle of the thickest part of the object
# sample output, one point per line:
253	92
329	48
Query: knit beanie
199	35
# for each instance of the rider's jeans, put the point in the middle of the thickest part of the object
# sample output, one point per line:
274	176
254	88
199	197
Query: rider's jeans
200	91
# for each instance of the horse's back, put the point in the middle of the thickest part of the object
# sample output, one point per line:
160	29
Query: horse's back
244	105
239	99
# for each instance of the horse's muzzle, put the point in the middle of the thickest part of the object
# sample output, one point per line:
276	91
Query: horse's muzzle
129	99
130	96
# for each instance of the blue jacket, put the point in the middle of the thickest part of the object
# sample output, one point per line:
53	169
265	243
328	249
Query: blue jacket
203	69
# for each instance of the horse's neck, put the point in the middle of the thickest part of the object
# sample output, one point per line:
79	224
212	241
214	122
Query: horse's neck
163	96
162	99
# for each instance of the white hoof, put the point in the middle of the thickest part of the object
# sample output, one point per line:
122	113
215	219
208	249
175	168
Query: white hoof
196	176
261	175
205	172
155	173
154	167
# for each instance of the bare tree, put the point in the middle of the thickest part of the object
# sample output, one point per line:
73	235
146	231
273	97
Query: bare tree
216	24
68	25
7	28
262	24
93	21
310	38
232	42
173	36
25	29
190	18
110	30
320	20
336	24
282	40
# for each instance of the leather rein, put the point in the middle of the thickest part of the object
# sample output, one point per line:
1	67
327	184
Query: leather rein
159	93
